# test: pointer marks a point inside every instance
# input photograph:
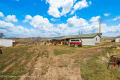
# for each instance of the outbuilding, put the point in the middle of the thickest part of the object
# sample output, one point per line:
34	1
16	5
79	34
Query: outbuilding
6	42
117	39
87	39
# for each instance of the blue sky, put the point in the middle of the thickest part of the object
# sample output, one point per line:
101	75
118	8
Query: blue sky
49	18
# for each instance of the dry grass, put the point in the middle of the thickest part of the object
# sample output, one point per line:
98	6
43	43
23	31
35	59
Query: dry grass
14	60
60	52
43	62
96	67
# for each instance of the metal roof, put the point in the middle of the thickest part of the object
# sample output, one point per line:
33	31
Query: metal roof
118	37
83	36
77	36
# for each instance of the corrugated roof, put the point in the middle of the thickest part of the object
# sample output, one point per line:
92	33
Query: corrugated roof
77	36
83	36
118	37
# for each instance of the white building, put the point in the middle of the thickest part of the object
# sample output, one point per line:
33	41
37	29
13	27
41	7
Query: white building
117	39
87	39
6	42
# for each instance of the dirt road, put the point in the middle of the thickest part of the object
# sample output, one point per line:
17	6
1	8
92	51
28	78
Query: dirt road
62	67
51	67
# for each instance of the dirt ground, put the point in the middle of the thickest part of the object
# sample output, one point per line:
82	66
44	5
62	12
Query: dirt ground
41	62
61	67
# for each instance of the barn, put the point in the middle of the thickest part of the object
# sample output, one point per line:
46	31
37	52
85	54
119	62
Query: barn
6	42
87	39
117	39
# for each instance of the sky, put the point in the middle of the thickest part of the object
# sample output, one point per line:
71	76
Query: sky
52	18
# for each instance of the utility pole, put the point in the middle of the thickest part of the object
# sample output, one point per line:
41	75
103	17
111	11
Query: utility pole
100	21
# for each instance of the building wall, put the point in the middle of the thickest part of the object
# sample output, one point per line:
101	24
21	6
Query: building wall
91	41
97	39
117	40
6	42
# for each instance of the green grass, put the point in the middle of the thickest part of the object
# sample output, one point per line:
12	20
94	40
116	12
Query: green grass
60	52
94	70
16	55
87	46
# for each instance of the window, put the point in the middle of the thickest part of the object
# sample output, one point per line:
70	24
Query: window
75	40
96	39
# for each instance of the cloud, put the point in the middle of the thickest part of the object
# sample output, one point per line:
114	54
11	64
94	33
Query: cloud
58	8
11	30
111	30
55	5
95	19
116	18
41	23
1	14
106	14
41	27
77	22
52	19
80	5
27	18
11	18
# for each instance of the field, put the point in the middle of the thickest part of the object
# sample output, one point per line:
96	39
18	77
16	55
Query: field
45	62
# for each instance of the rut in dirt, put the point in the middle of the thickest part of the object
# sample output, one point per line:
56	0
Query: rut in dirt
51	67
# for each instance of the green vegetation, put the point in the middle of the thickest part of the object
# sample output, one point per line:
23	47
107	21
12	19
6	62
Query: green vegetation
96	68
87	46
19	60
15	61
60	52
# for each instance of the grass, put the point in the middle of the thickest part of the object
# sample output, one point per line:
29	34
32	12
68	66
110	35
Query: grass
20	56
88	46
95	70
60	52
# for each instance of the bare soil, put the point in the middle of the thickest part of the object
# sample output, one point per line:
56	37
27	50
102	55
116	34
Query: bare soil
41	63
62	67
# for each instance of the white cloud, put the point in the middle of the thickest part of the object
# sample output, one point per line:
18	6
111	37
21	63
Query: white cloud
54	19
106	14
80	5
55	5
41	27
11	18
27	18
95	19
77	22
111	30
54	12
11	30
65	6
41	23
1	14
116	18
